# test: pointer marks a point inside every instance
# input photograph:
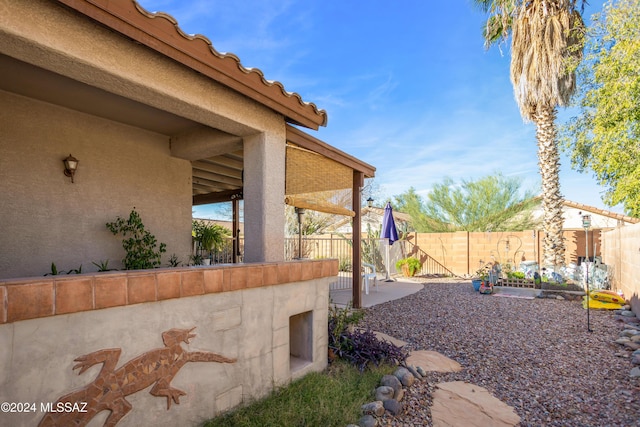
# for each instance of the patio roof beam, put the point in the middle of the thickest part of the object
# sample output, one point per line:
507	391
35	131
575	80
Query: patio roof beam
221	196
208	187
217	169
210	178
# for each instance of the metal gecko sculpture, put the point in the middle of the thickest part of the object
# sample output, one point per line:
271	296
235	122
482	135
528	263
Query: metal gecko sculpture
110	388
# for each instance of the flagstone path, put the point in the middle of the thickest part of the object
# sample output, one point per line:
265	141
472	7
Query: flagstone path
458	403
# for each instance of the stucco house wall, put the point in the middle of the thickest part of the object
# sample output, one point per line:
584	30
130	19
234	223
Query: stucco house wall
46	218
129	155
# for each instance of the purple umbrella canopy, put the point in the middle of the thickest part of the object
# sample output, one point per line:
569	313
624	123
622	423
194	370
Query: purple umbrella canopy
389	230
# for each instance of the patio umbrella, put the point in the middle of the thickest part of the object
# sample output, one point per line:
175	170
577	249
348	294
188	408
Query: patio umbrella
389	232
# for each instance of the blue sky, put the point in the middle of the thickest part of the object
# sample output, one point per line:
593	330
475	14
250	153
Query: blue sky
407	85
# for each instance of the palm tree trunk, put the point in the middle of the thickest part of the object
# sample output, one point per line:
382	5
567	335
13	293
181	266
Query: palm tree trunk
549	163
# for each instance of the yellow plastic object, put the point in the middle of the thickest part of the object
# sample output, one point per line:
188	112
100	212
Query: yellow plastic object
596	304
606	296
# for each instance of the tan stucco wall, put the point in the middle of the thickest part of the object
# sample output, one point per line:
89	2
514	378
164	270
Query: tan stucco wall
48	35
46	218
264	197
251	325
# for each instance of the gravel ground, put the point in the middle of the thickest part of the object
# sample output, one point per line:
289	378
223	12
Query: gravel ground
535	355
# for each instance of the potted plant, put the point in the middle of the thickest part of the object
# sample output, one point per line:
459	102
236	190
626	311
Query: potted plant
480	276
209	237
409	266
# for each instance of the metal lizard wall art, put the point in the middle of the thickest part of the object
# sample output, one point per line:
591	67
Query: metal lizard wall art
110	388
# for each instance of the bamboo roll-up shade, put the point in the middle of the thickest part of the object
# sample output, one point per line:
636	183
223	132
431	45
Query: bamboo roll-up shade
307	201
309	172
311	181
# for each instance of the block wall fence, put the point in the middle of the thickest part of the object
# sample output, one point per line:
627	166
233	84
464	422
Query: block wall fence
464	252
161	347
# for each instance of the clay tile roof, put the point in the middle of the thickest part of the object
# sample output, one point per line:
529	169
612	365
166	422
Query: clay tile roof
602	212
161	32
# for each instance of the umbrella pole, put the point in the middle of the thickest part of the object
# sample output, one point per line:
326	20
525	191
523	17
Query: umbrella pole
388	279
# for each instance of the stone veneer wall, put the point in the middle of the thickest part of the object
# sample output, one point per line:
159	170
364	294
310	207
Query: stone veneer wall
270	319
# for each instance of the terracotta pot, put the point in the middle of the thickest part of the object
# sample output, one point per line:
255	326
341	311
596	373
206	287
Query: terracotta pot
405	270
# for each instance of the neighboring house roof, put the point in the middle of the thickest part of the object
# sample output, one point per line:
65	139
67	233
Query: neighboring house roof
609	214
371	216
160	32
600	218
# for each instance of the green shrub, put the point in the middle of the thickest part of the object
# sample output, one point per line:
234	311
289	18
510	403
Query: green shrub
516	275
138	243
412	263
344	265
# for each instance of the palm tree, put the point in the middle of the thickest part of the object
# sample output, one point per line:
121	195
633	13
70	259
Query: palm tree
546	45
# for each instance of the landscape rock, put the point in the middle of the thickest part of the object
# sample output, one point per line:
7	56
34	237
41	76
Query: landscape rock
462	404
391	381
373	408
635	372
629	332
384	337
414	372
632	345
393	406
630	320
399	395
384	392
405	376
368	421
433	361
535	378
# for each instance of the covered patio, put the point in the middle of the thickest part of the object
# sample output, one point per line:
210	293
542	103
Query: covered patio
158	121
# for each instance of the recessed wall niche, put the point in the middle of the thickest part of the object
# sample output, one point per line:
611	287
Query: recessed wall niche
300	340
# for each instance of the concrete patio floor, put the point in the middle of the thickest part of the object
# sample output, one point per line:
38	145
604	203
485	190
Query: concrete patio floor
402	287
386	291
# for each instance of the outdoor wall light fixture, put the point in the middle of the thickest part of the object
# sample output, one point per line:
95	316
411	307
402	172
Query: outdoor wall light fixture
370	202
70	166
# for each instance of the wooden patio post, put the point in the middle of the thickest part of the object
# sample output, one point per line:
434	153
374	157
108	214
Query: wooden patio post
235	203
358	183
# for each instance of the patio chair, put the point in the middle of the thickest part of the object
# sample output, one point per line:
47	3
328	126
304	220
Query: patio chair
367	276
